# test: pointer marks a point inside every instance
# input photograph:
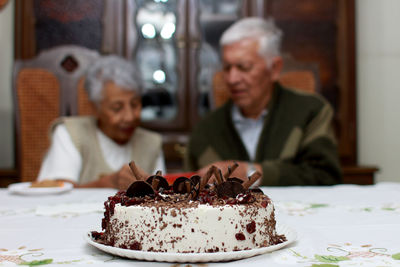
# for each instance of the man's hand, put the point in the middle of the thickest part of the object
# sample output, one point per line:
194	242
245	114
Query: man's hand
240	171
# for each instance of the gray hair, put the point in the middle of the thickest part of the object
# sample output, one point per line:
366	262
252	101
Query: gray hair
269	36
112	69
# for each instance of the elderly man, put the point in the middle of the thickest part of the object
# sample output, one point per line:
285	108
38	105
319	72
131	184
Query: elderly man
94	151
284	134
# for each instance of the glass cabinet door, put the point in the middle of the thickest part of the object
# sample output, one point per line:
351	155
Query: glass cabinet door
177	50
211	19
160	56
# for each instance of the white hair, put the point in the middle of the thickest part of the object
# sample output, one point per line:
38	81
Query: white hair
111	69
269	36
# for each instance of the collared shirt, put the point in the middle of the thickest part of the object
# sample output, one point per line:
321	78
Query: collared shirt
248	129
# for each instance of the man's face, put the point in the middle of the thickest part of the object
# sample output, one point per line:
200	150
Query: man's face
247	75
118	112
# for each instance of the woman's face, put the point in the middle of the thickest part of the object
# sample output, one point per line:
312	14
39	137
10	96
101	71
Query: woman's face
118	112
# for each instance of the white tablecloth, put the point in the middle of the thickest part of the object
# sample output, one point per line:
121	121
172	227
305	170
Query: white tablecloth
344	225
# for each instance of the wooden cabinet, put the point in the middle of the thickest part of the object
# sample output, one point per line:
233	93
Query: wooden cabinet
175	43
322	33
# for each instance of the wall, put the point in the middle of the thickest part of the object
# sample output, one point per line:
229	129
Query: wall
378	85
6	107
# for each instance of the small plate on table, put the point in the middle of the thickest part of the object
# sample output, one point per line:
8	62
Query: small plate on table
290	234
26	189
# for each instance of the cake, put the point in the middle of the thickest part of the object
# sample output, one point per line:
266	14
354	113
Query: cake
47	183
191	216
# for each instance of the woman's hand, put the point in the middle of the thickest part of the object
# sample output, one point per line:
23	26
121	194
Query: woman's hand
120	180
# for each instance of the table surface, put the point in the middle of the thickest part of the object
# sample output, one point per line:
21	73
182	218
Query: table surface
343	225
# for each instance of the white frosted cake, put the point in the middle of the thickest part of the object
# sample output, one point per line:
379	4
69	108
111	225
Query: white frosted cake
205	220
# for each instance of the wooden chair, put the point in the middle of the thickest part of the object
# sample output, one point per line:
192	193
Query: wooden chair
303	76
45	88
295	75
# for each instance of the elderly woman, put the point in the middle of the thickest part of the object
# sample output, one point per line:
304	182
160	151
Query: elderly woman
93	151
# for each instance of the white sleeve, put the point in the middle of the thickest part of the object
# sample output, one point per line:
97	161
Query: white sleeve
160	164
63	160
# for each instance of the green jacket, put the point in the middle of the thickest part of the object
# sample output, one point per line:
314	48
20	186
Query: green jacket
296	146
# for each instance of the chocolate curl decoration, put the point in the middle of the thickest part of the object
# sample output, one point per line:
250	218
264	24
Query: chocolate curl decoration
218	176
230	170
252	179
195	179
136	172
160	183
158	173
256	190
235	179
155	183
195	185
182	185
139	189
188	186
229	189
206	177
195	192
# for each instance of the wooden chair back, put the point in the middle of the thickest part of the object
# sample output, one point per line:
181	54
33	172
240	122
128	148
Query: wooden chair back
45	88
303	76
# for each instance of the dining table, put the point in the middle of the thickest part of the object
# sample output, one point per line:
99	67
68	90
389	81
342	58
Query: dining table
339	225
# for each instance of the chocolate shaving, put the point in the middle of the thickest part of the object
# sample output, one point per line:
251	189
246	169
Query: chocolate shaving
229	189
139	189
159	173
230	170
252	179
136	172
